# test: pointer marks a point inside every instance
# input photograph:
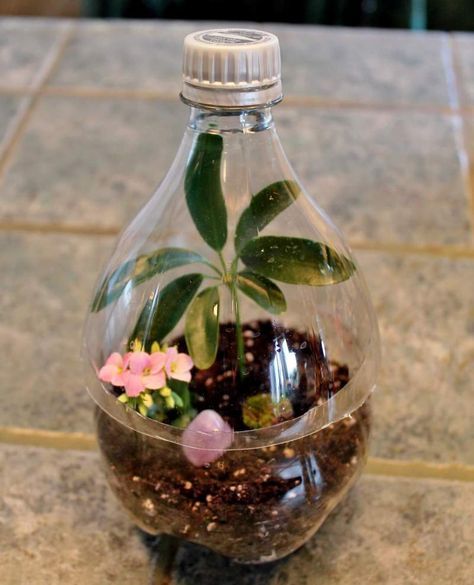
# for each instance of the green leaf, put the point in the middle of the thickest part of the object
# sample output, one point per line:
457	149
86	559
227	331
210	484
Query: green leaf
141	269
296	260
165	259
202	327
262	290
264	207
142	409
182	390
204	191
183	421
177	400
162	312
113	285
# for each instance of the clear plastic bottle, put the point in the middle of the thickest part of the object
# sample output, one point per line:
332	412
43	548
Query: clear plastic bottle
232	343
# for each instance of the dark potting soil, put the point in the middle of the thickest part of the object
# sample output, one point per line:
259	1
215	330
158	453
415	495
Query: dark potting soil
253	505
220	387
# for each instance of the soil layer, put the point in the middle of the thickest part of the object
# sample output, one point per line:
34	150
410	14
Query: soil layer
252	505
220	387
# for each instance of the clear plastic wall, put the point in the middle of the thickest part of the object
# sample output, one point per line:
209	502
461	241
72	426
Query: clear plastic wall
237	301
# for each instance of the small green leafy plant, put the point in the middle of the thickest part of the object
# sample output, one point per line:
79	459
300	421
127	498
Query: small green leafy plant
260	411
266	259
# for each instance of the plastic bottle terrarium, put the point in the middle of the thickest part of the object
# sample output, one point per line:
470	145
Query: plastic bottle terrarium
232	341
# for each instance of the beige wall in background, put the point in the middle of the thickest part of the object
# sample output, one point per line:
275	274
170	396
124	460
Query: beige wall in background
40	7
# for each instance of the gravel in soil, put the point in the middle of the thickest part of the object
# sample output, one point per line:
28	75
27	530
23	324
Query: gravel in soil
253	505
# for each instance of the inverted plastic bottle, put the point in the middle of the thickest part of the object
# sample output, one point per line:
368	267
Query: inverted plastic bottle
232	343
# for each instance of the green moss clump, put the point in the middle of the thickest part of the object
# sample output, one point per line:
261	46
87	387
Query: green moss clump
260	411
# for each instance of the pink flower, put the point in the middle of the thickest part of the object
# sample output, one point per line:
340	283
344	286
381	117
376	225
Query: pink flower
145	371
206	438
178	365
114	369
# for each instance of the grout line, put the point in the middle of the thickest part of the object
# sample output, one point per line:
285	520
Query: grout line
293	100
16	90
375	465
466	165
14	126
49	67
455	84
454	252
47	439
458	77
91	230
460	134
447	60
110	93
57	228
51	63
323	103
420	469
20	127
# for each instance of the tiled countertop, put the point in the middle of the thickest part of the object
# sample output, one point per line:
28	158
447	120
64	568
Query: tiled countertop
89	122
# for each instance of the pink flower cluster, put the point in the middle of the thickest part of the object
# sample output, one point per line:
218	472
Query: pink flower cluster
137	371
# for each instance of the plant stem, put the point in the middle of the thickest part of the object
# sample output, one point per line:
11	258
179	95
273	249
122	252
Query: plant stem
235	302
213	268
221	258
238	331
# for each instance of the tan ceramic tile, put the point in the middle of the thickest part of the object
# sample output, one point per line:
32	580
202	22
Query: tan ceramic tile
468	126
90	162
392	177
423	303
25	46
373	66
59	524
464	47
423	406
10	110
399	532
389	530
127	55
46	285
365	66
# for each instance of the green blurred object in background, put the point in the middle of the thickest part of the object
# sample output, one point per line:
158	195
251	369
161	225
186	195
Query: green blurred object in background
414	14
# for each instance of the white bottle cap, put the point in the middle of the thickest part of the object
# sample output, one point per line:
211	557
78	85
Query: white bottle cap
232	67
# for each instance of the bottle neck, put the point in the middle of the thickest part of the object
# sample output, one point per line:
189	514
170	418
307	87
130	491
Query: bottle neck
227	120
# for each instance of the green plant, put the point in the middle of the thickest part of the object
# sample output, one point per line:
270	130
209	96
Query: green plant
289	260
260	411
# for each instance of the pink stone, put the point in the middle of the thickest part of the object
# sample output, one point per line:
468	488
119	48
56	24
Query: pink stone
206	438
